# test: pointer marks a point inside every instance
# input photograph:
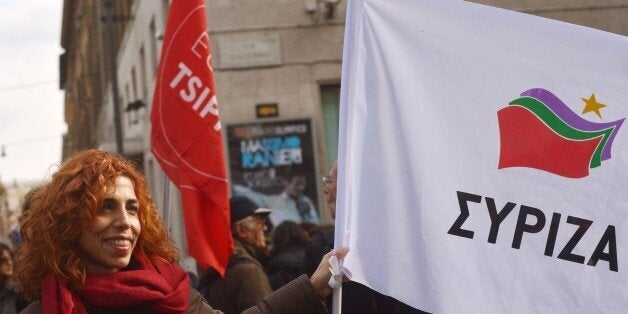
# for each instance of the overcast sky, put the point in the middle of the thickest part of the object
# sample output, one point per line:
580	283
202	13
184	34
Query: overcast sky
31	104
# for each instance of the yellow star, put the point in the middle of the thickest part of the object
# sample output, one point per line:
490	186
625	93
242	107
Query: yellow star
591	105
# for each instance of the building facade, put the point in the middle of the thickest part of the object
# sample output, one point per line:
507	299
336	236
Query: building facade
277	69
83	71
283	56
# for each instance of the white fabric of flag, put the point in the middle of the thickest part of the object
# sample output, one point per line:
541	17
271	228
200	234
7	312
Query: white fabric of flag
483	167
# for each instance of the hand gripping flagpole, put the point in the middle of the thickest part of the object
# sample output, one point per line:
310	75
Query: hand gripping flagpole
335	282
338	272
166	205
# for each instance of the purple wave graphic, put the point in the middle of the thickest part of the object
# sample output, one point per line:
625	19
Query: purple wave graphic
573	119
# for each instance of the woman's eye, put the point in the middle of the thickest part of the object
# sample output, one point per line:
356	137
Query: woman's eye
107	206
133	209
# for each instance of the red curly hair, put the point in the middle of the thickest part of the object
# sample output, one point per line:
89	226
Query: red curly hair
72	198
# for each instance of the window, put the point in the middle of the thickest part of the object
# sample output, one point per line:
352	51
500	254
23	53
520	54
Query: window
166	6
134	82
123	104
143	74
153	45
127	94
150	173
330	98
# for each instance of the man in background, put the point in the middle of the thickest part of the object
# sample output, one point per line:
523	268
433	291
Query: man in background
356	298
245	282
322	242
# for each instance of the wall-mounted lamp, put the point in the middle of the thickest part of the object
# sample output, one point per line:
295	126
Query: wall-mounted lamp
311	6
325	8
132	108
330	7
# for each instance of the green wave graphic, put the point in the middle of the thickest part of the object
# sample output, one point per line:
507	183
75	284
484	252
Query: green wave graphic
563	129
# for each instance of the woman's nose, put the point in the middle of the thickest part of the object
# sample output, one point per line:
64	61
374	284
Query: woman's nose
122	220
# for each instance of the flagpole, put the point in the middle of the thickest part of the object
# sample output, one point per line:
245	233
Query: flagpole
167	204
337	300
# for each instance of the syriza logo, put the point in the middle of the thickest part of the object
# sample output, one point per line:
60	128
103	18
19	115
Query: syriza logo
537	130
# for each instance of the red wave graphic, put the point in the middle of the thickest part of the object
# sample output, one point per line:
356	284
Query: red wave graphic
527	142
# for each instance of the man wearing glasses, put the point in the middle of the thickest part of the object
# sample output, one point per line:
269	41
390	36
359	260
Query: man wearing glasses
323	241
356	298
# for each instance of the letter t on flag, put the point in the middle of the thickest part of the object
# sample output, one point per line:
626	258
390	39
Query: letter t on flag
186	137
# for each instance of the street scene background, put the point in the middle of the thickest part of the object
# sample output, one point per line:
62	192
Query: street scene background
60	59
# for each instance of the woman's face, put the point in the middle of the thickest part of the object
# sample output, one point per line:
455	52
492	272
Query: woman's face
6	264
108	241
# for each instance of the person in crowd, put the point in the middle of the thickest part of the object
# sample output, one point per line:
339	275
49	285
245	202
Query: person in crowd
16	235
291	204
288	251
321	242
10	302
245	282
93	242
356	298
310	228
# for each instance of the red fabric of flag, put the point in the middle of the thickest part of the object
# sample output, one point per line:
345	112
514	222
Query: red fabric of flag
186	135
528	142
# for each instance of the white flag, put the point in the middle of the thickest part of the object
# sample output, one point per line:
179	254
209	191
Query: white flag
483	164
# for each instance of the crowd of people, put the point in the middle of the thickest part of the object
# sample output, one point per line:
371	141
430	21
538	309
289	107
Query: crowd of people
295	248
92	241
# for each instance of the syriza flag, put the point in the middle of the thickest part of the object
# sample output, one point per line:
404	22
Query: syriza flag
186	134
483	159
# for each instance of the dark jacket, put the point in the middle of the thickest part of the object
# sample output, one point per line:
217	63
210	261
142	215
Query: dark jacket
356	298
285	266
8	300
298	296
244	285
319	245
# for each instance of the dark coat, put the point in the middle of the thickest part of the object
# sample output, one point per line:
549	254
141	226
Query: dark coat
244	285
298	296
356	298
8	300
319	245
285	266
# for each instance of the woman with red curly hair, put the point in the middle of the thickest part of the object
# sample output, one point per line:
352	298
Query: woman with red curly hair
93	242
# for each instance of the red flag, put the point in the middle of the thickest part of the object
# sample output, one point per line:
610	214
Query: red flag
186	135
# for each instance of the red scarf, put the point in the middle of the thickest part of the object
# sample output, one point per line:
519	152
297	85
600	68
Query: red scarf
159	286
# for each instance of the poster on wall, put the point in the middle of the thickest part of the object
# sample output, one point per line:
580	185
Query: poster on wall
272	163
